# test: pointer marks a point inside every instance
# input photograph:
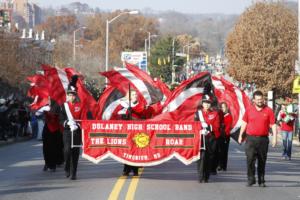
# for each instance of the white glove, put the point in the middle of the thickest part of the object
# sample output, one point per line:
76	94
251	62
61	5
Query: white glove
73	127
42	109
71	122
47	108
204	125
204	132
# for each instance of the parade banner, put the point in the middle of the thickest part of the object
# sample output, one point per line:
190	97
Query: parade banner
141	143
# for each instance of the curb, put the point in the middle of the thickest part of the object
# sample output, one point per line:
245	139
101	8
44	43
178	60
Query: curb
296	143
14	140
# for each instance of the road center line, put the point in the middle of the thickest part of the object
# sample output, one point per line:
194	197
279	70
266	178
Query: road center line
114	195
117	188
133	185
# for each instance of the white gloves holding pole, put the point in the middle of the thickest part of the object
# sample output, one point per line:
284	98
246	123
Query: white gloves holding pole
72	124
206	129
204	132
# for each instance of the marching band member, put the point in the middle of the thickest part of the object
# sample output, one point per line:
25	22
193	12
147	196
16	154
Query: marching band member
210	123
70	112
129	109
52	137
225	137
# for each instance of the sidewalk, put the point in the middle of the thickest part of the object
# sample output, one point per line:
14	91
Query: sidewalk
296	147
14	140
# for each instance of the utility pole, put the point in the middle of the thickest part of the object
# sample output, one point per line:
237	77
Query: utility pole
298	56
149	43
173	60
134	12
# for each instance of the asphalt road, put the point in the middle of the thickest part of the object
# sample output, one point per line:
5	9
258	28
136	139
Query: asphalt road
21	177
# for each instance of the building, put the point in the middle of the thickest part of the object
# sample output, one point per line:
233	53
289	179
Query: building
29	12
5	17
6	8
37	14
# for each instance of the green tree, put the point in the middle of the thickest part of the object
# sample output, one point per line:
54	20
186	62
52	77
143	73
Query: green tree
262	48
161	58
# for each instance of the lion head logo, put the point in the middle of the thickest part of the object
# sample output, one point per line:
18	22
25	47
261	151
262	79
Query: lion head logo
141	140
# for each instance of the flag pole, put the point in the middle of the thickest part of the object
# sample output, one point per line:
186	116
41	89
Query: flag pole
129	99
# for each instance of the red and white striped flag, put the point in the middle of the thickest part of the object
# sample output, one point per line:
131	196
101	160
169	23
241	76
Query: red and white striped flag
39	91
108	103
184	101
59	80
147	91
235	98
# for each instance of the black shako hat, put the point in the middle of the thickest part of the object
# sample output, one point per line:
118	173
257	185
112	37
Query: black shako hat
72	89
206	98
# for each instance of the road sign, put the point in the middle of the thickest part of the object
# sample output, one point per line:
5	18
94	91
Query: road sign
296	85
206	59
181	54
138	58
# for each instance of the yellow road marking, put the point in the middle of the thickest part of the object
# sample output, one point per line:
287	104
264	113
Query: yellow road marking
133	185
117	188
114	195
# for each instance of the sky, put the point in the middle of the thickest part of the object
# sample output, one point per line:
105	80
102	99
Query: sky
184	6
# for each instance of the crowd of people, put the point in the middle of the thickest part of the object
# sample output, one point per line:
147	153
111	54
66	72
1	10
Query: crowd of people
14	118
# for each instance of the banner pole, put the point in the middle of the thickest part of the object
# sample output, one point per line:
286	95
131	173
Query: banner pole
129	107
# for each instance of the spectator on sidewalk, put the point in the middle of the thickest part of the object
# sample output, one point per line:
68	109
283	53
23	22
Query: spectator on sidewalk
286	118
34	125
39	114
3	121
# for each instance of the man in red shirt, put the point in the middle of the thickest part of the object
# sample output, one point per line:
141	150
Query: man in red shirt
210	123
257	120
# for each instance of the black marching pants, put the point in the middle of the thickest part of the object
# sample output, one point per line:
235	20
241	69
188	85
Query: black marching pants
207	156
71	155
256	148
52	148
128	168
223	152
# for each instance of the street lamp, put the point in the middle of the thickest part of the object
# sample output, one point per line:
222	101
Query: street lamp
187	58
74	43
149	42
134	12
